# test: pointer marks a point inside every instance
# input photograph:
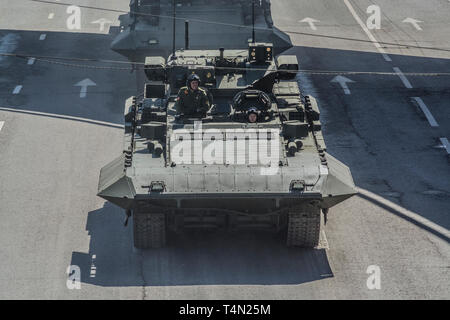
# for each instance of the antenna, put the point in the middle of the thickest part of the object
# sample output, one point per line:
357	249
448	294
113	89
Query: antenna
253	21
174	29
186	34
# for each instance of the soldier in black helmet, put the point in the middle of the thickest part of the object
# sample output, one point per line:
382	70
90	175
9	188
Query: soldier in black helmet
192	100
252	115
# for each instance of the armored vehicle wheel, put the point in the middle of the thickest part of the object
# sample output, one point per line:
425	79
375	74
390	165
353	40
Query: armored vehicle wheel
304	227
149	230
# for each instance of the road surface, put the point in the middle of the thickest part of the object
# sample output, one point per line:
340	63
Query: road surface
386	116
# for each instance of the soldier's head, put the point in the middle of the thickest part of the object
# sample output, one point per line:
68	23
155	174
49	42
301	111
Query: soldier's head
193	81
252	115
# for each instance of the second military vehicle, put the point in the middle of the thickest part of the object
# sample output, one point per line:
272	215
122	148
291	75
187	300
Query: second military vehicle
257	158
155	27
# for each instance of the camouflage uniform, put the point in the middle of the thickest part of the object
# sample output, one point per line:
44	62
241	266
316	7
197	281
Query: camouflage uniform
192	102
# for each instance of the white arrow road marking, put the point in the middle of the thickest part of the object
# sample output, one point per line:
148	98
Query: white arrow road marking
17	89
444	142
414	22
1	125
84	84
102	23
343	82
311	22
405	81
426	111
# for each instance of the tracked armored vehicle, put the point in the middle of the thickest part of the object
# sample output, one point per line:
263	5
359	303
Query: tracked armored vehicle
220	169
147	30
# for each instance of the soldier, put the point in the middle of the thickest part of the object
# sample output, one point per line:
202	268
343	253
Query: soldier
252	115
192	100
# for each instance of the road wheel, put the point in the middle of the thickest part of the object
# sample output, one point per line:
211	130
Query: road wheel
304	227
149	230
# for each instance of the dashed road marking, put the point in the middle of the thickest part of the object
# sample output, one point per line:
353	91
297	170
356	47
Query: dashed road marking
426	111
405	81
17	89
367	31
446	144
93	272
43	36
31	61
1	125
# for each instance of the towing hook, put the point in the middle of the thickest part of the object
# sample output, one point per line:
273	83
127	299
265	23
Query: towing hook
128	215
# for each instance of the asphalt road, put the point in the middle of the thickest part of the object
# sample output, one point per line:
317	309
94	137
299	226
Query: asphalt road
54	140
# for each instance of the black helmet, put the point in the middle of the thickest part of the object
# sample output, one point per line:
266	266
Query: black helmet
192	77
252	110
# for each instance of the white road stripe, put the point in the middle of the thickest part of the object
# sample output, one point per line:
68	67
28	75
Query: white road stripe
8	43
407	213
405	81
1	125
93	267
426	111
17	89
58	116
444	141
43	36
31	61
367	31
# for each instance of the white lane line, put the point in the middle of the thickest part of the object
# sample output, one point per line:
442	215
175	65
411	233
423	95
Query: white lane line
1	125
405	81
43	36
367	31
444	142
405	212
59	116
426	111
31	61
17	89
93	267
51	15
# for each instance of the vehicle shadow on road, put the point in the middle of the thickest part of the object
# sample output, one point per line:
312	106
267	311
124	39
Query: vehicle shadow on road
380	133
50	83
194	257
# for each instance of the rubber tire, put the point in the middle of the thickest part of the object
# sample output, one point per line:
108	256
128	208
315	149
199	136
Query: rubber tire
149	230
304	227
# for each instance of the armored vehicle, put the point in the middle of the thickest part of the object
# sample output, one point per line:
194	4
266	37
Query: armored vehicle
148	29
225	168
